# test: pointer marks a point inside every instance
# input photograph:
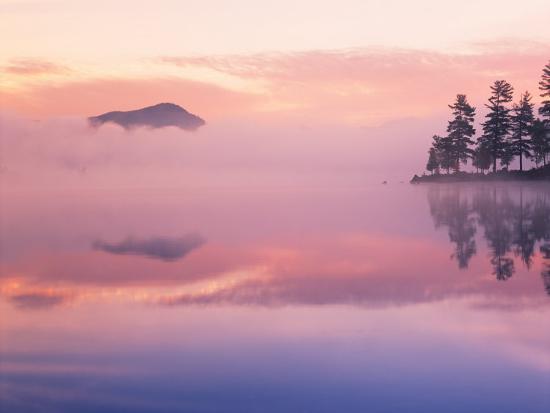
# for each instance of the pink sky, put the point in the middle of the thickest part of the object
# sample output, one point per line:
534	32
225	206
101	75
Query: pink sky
357	86
363	62
296	84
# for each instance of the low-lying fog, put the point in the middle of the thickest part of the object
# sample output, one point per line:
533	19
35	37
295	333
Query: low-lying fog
61	152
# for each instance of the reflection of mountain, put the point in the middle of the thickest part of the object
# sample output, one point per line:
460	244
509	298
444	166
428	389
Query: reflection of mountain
162	248
364	258
158	116
512	227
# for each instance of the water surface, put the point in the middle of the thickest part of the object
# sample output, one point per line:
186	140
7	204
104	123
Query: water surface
381	298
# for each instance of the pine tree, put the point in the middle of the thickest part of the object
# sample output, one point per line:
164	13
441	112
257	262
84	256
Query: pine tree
461	130
507	155
444	150
497	125
540	142
482	157
433	163
522	124
544	86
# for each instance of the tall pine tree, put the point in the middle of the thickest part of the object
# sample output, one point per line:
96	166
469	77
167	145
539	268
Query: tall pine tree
540	142
544	86
443	147
497	125
461	130
522	125
433	163
482	157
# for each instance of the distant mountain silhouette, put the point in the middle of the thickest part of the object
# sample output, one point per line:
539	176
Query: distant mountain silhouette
157	116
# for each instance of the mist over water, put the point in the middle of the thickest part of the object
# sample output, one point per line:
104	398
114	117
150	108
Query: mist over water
68	153
317	296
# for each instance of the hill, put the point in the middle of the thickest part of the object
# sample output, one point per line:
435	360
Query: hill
157	116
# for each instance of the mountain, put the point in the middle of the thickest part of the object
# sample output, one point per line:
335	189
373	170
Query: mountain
157	116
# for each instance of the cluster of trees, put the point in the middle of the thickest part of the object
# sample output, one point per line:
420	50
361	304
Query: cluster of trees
508	131
512	227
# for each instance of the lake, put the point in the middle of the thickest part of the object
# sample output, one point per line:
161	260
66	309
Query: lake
378	298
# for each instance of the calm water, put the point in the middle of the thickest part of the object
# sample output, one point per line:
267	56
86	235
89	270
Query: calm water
388	298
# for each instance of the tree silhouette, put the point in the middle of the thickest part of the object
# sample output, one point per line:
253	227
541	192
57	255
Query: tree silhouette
507	132
443	148
540	142
497	125
544	86
482	157
433	164
507	155
461	130
522	125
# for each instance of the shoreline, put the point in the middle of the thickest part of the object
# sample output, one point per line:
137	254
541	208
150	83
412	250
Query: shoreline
532	175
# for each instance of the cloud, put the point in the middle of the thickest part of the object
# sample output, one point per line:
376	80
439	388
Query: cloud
371	85
85	97
33	67
37	300
345	86
368	64
162	248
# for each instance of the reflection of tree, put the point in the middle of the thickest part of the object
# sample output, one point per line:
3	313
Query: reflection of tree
524	237
503	267
494	215
450	210
509	226
540	222
545	251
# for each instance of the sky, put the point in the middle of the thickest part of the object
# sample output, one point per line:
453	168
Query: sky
341	66
263	56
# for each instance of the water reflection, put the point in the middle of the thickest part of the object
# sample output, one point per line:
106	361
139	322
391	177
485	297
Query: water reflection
38	300
163	248
336	300
512	226
545	249
364	249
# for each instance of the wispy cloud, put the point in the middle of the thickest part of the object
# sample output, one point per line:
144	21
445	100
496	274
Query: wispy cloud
357	86
378	83
33	67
